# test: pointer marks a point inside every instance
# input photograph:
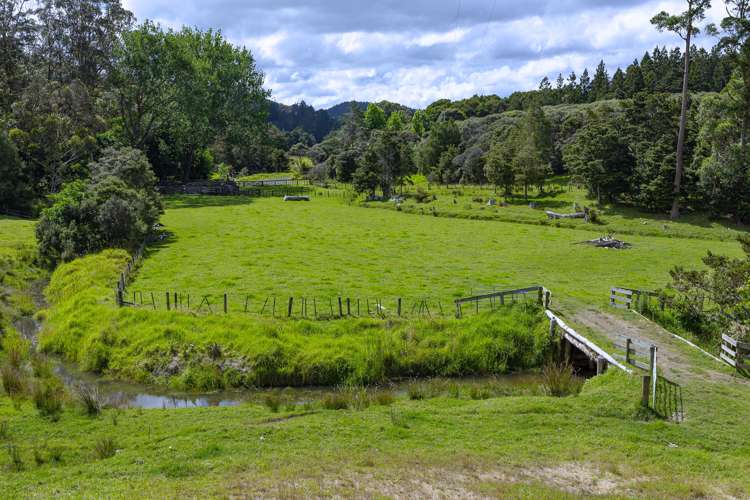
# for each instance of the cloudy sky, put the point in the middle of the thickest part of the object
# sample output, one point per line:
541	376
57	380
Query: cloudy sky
417	51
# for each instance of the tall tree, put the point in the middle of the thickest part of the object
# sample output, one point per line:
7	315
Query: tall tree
736	42
17	30
600	83
685	26
374	117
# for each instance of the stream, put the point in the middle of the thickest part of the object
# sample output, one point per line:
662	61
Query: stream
133	395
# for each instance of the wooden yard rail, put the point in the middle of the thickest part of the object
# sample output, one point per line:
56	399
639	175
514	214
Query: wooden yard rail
543	297
735	353
593	351
627	298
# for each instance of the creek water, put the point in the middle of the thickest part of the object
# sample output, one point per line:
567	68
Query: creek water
134	395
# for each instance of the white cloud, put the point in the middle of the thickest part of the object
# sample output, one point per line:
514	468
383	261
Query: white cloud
417	51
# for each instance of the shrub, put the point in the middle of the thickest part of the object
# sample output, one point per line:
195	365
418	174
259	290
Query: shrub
421	195
105	447
116	208
559	380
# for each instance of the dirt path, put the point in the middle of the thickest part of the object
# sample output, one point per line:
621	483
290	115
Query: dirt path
676	359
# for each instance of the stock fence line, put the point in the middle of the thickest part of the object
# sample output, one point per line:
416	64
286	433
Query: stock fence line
319	306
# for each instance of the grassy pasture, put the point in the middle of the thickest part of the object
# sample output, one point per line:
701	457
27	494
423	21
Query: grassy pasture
470	202
325	248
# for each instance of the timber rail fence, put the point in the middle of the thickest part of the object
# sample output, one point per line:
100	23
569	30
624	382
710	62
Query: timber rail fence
640	302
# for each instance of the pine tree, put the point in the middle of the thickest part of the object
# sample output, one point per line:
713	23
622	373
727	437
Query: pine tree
600	83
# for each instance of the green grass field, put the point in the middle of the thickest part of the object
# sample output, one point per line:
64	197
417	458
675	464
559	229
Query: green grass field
523	446
470	202
325	248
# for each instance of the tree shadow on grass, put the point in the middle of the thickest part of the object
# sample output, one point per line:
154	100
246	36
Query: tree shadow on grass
174	202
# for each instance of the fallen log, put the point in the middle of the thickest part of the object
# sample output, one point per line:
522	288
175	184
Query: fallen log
575	215
296	198
606	242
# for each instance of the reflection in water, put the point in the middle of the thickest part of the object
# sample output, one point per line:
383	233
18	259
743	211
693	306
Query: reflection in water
131	395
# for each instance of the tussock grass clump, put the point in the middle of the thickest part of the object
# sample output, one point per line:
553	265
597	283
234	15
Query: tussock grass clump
90	398
13	379
48	396
4	430
559	380
384	398
272	402
14	455
336	401
398	419
105	447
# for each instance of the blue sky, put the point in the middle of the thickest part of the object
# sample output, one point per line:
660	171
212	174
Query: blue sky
417	51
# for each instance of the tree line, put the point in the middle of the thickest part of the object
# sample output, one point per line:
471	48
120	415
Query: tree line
94	108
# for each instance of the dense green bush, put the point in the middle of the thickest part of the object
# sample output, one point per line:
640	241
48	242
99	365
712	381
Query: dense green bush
117	207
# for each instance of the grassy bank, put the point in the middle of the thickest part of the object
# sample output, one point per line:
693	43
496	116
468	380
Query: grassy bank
209	352
523	447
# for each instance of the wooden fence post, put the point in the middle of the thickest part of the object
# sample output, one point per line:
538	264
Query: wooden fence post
289	311
601	365
348	306
547	299
226	305
167	301
628	342
341	309
540	299
398	307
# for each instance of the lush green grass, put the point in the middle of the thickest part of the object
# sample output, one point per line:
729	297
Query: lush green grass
527	447
470	202
83	324
325	248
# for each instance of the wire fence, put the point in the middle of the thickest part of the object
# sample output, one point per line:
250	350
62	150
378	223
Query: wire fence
278	306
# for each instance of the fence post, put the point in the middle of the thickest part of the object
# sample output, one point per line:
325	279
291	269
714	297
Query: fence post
399	307
341	309
539	296
547	297
628	342
168	301
652	352
348	306
458	310
645	390
289	311
601	365
226	305
552	327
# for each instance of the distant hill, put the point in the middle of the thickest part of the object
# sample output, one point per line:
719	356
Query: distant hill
338	111
319	123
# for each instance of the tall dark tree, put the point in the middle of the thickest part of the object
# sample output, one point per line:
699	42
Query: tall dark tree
685	26
17	31
600	83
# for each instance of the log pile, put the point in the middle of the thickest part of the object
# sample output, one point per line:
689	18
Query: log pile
607	242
